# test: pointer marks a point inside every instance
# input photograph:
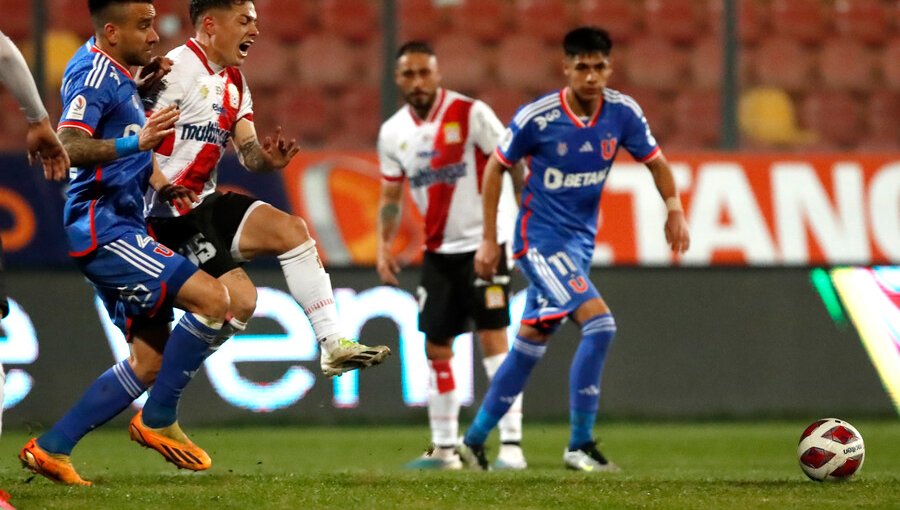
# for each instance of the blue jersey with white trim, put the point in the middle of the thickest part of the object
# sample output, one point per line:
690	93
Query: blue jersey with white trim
100	98
569	160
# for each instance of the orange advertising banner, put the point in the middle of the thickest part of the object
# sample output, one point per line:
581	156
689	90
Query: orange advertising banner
743	210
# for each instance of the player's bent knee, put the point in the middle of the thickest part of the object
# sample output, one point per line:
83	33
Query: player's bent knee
295	233
243	304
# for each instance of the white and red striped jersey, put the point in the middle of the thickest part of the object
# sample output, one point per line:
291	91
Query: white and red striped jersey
211	100
443	158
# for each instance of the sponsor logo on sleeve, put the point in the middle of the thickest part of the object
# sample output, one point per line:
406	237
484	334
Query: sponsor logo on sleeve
77	108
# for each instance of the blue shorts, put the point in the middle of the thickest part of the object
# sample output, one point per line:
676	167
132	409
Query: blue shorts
558	284
137	278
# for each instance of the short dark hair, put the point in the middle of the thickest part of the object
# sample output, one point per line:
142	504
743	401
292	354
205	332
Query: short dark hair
584	40
200	7
98	7
415	47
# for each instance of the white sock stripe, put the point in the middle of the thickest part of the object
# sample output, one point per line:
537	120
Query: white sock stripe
131	260
298	251
139	254
192	328
124	377
535	351
546	274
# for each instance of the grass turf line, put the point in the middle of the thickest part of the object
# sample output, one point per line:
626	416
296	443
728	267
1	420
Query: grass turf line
737	465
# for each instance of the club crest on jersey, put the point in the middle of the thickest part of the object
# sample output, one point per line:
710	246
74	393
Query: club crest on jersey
562	148
608	147
452	133
233	98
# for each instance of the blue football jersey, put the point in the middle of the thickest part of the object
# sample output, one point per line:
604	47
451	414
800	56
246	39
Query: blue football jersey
569	159
100	97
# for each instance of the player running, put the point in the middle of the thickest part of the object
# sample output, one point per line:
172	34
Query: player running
226	230
571	138
439	142
108	138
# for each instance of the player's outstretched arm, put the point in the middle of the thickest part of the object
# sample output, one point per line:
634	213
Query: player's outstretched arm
272	154
84	150
488	255
175	194
676	229
388	224
44	145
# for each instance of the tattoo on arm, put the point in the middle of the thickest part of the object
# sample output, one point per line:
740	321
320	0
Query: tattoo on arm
84	150
389	213
252	156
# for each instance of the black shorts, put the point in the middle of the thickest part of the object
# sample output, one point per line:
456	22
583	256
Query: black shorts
206	234
452	297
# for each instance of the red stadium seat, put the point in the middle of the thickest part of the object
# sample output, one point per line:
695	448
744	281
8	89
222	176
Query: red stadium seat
697	119
527	63
326	60
890	63
505	101
72	16
836	116
547	20
846	64
286	20
485	20
804	20
418	19
17	21
784	63
674	20
619	17
706	62
752	19
654	62
354	20
268	64
461	60
304	113
360	113
863	20
368	62
883	116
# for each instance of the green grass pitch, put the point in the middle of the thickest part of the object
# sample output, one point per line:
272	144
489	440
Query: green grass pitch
730	466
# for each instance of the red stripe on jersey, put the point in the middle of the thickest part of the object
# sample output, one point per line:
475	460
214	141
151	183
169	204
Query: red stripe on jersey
195	47
574	118
93	245
454	123
77	125
160	301
481	160
195	175
653	154
502	158
126	72
519	254
391	178
166	146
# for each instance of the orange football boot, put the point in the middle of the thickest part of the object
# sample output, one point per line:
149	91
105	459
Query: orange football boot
54	466
171	442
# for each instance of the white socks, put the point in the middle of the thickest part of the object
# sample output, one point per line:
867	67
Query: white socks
311	287
443	405
511	424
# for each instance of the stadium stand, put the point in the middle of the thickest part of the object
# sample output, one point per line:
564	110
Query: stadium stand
504	101
463	62
656	64
697	119
287	20
890	63
767	118
619	17
836	116
325	60
542	19
863	20
752	19
675	20
303	112
804	20
418	19
487	21
782	62
846	64
525	63
353	20
70	15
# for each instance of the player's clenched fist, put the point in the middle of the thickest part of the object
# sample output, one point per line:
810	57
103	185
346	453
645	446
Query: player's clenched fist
159	125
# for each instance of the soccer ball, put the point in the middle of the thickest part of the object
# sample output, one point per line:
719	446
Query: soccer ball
831	450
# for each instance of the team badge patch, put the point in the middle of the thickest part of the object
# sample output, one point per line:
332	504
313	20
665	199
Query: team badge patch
233	97
204	91
79	106
452	133
494	297
562	148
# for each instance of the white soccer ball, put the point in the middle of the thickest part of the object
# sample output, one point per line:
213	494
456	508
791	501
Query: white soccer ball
831	450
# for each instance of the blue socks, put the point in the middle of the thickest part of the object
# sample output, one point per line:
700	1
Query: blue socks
584	377
184	353
507	383
108	396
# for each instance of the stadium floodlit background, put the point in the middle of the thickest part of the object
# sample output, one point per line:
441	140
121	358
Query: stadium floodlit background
781	119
